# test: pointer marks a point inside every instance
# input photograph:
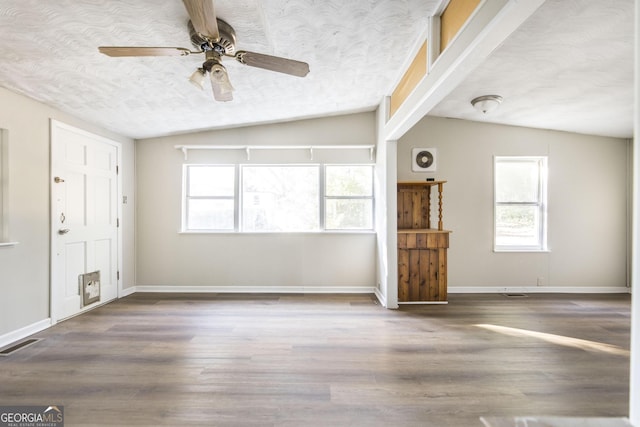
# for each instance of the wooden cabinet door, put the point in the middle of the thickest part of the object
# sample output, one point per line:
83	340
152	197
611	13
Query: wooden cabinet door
422	275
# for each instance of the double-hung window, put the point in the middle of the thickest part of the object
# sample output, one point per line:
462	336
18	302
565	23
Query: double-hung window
209	202
348	201
520	203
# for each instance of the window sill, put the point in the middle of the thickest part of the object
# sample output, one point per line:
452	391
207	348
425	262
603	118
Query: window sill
519	250
263	233
3	244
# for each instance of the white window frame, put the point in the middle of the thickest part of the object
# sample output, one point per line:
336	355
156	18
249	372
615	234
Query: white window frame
540	204
325	197
186	197
238	202
240	196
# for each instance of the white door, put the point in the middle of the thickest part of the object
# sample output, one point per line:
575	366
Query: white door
84	235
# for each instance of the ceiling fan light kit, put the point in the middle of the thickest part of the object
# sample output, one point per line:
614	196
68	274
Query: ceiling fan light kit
220	84
216	39
486	103
197	78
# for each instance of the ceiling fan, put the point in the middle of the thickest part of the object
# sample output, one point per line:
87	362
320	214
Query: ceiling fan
216	39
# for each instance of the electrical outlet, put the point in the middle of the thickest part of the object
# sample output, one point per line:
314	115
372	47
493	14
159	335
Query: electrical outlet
540	281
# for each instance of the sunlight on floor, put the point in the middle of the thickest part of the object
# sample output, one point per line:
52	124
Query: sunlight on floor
558	339
555	422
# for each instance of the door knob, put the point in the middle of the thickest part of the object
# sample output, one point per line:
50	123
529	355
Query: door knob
63	231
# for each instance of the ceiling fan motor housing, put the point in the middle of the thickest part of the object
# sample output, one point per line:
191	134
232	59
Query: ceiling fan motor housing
225	46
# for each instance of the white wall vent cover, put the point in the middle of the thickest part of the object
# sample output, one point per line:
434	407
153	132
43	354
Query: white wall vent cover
423	159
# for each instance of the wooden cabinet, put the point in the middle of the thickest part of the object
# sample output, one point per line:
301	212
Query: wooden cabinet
422	250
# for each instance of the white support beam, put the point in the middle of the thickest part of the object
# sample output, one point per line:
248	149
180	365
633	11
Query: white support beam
491	24
488	27
386	221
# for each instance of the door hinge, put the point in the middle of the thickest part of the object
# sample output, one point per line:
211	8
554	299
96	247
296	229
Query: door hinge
118	275
117	170
118	222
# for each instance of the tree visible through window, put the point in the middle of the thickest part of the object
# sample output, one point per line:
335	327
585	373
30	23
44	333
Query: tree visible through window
348	197
209	198
277	198
280	198
520	203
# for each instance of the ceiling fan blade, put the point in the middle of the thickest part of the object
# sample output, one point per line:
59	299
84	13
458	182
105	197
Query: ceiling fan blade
143	51
203	17
220	83
273	63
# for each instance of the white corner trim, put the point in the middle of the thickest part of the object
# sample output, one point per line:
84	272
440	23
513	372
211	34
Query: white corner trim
539	289
127	291
257	289
382	298
21	333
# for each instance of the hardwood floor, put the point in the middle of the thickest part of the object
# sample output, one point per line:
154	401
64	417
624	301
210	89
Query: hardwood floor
327	360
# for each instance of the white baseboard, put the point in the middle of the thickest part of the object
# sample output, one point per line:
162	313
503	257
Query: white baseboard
538	290
21	333
257	289
381	298
127	291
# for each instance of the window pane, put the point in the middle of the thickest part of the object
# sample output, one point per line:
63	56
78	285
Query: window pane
211	181
349	214
517	226
280	198
349	181
210	214
517	181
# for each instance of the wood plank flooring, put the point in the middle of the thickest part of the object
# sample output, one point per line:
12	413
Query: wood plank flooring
327	360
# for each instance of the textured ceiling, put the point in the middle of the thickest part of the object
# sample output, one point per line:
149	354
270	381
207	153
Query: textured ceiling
569	67
355	49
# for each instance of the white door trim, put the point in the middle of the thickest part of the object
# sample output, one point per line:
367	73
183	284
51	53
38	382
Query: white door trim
54	126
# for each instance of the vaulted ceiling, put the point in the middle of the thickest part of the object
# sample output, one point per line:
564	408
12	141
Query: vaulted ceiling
569	67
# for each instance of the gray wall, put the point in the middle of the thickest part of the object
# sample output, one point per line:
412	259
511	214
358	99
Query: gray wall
587	204
169	260
588	193
24	268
